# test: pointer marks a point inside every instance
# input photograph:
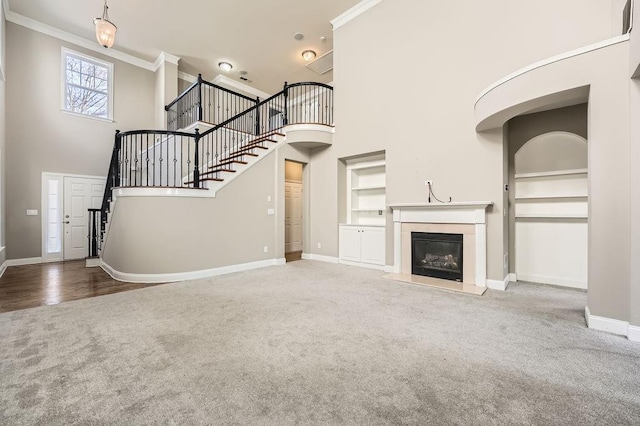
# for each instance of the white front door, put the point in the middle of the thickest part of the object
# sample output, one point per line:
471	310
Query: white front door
80	194
292	217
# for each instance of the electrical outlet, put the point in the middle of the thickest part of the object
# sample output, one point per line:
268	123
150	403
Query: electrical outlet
319	245
266	249
268	198
428	182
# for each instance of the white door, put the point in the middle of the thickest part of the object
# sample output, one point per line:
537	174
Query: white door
80	194
292	217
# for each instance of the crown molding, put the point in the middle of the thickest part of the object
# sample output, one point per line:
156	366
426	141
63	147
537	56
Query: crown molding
187	77
40	27
165	57
353	13
224	80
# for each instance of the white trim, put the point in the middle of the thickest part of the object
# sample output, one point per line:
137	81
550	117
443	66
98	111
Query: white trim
63	77
91	117
3	268
634	333
190	275
309	127
92	45
497	284
25	261
362	265
162	192
319	258
560	281
44	212
165	57
606	324
513	277
389	269
353	13
551	60
224	80
187	77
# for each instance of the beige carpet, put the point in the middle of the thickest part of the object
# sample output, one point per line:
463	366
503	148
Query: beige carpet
314	343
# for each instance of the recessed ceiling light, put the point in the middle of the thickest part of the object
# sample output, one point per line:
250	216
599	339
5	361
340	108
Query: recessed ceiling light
225	66
243	72
309	55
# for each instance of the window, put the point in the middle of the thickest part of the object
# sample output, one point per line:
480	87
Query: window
87	85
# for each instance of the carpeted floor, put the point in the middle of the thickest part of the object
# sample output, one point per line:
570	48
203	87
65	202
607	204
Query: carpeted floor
315	343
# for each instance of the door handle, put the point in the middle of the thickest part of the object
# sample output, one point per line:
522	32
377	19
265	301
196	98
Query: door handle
66	221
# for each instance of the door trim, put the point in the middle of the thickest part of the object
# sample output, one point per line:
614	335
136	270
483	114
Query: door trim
44	204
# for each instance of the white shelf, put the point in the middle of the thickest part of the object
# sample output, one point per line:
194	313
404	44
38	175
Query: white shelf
369	210
368	188
551	216
555	173
553	197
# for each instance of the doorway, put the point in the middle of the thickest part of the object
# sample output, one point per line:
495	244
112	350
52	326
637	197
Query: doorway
65	203
293	210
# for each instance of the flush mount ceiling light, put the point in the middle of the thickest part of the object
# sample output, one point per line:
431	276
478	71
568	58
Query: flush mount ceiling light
105	30
309	55
225	66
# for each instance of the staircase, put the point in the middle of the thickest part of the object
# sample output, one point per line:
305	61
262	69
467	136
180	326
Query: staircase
212	159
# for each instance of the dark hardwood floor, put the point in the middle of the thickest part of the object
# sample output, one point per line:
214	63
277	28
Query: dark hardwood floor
293	256
23	287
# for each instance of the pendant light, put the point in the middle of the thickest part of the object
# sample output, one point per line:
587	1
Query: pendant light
105	30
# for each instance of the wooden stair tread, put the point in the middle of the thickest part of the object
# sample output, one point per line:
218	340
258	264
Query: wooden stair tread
238	154
215	171
205	179
224	163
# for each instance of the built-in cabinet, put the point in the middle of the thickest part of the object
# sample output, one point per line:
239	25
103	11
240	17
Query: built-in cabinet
362	238
362	244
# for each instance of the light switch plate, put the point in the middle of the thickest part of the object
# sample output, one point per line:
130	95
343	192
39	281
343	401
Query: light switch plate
271	212
32	212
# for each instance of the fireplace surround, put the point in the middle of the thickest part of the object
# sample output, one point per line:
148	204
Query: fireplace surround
464	218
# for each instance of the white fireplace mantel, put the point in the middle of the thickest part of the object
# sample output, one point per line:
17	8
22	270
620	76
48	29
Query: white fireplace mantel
472	212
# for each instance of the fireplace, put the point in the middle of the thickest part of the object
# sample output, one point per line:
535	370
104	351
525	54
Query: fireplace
437	255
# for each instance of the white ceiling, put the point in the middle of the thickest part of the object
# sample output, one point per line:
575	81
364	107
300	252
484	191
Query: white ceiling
253	35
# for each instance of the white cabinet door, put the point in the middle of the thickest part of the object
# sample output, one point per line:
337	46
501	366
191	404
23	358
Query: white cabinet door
350	243
372	242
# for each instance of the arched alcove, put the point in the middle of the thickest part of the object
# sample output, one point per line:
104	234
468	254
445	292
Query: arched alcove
551	206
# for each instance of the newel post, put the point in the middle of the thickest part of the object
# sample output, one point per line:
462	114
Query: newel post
257	130
196	162
200	97
285	113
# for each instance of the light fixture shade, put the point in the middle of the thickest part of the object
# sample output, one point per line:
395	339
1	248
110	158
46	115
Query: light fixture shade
225	66
309	55
105	32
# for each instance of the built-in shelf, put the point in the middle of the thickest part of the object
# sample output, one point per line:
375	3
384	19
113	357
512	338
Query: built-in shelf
554	173
368	188
553	197
551	216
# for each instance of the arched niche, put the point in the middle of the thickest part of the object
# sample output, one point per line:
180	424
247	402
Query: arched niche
552	152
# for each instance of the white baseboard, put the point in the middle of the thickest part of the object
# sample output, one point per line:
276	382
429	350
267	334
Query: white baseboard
498	285
389	269
3	268
362	265
319	258
565	282
634	333
513	278
26	261
606	324
189	275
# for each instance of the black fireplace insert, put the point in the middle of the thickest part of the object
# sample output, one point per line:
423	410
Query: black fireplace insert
437	255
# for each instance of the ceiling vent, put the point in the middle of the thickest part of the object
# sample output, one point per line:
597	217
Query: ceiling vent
323	64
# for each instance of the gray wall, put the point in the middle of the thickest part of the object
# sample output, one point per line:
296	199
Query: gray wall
526	127
424	116
41	138
205	233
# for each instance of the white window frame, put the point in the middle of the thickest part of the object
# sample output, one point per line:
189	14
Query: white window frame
63	78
